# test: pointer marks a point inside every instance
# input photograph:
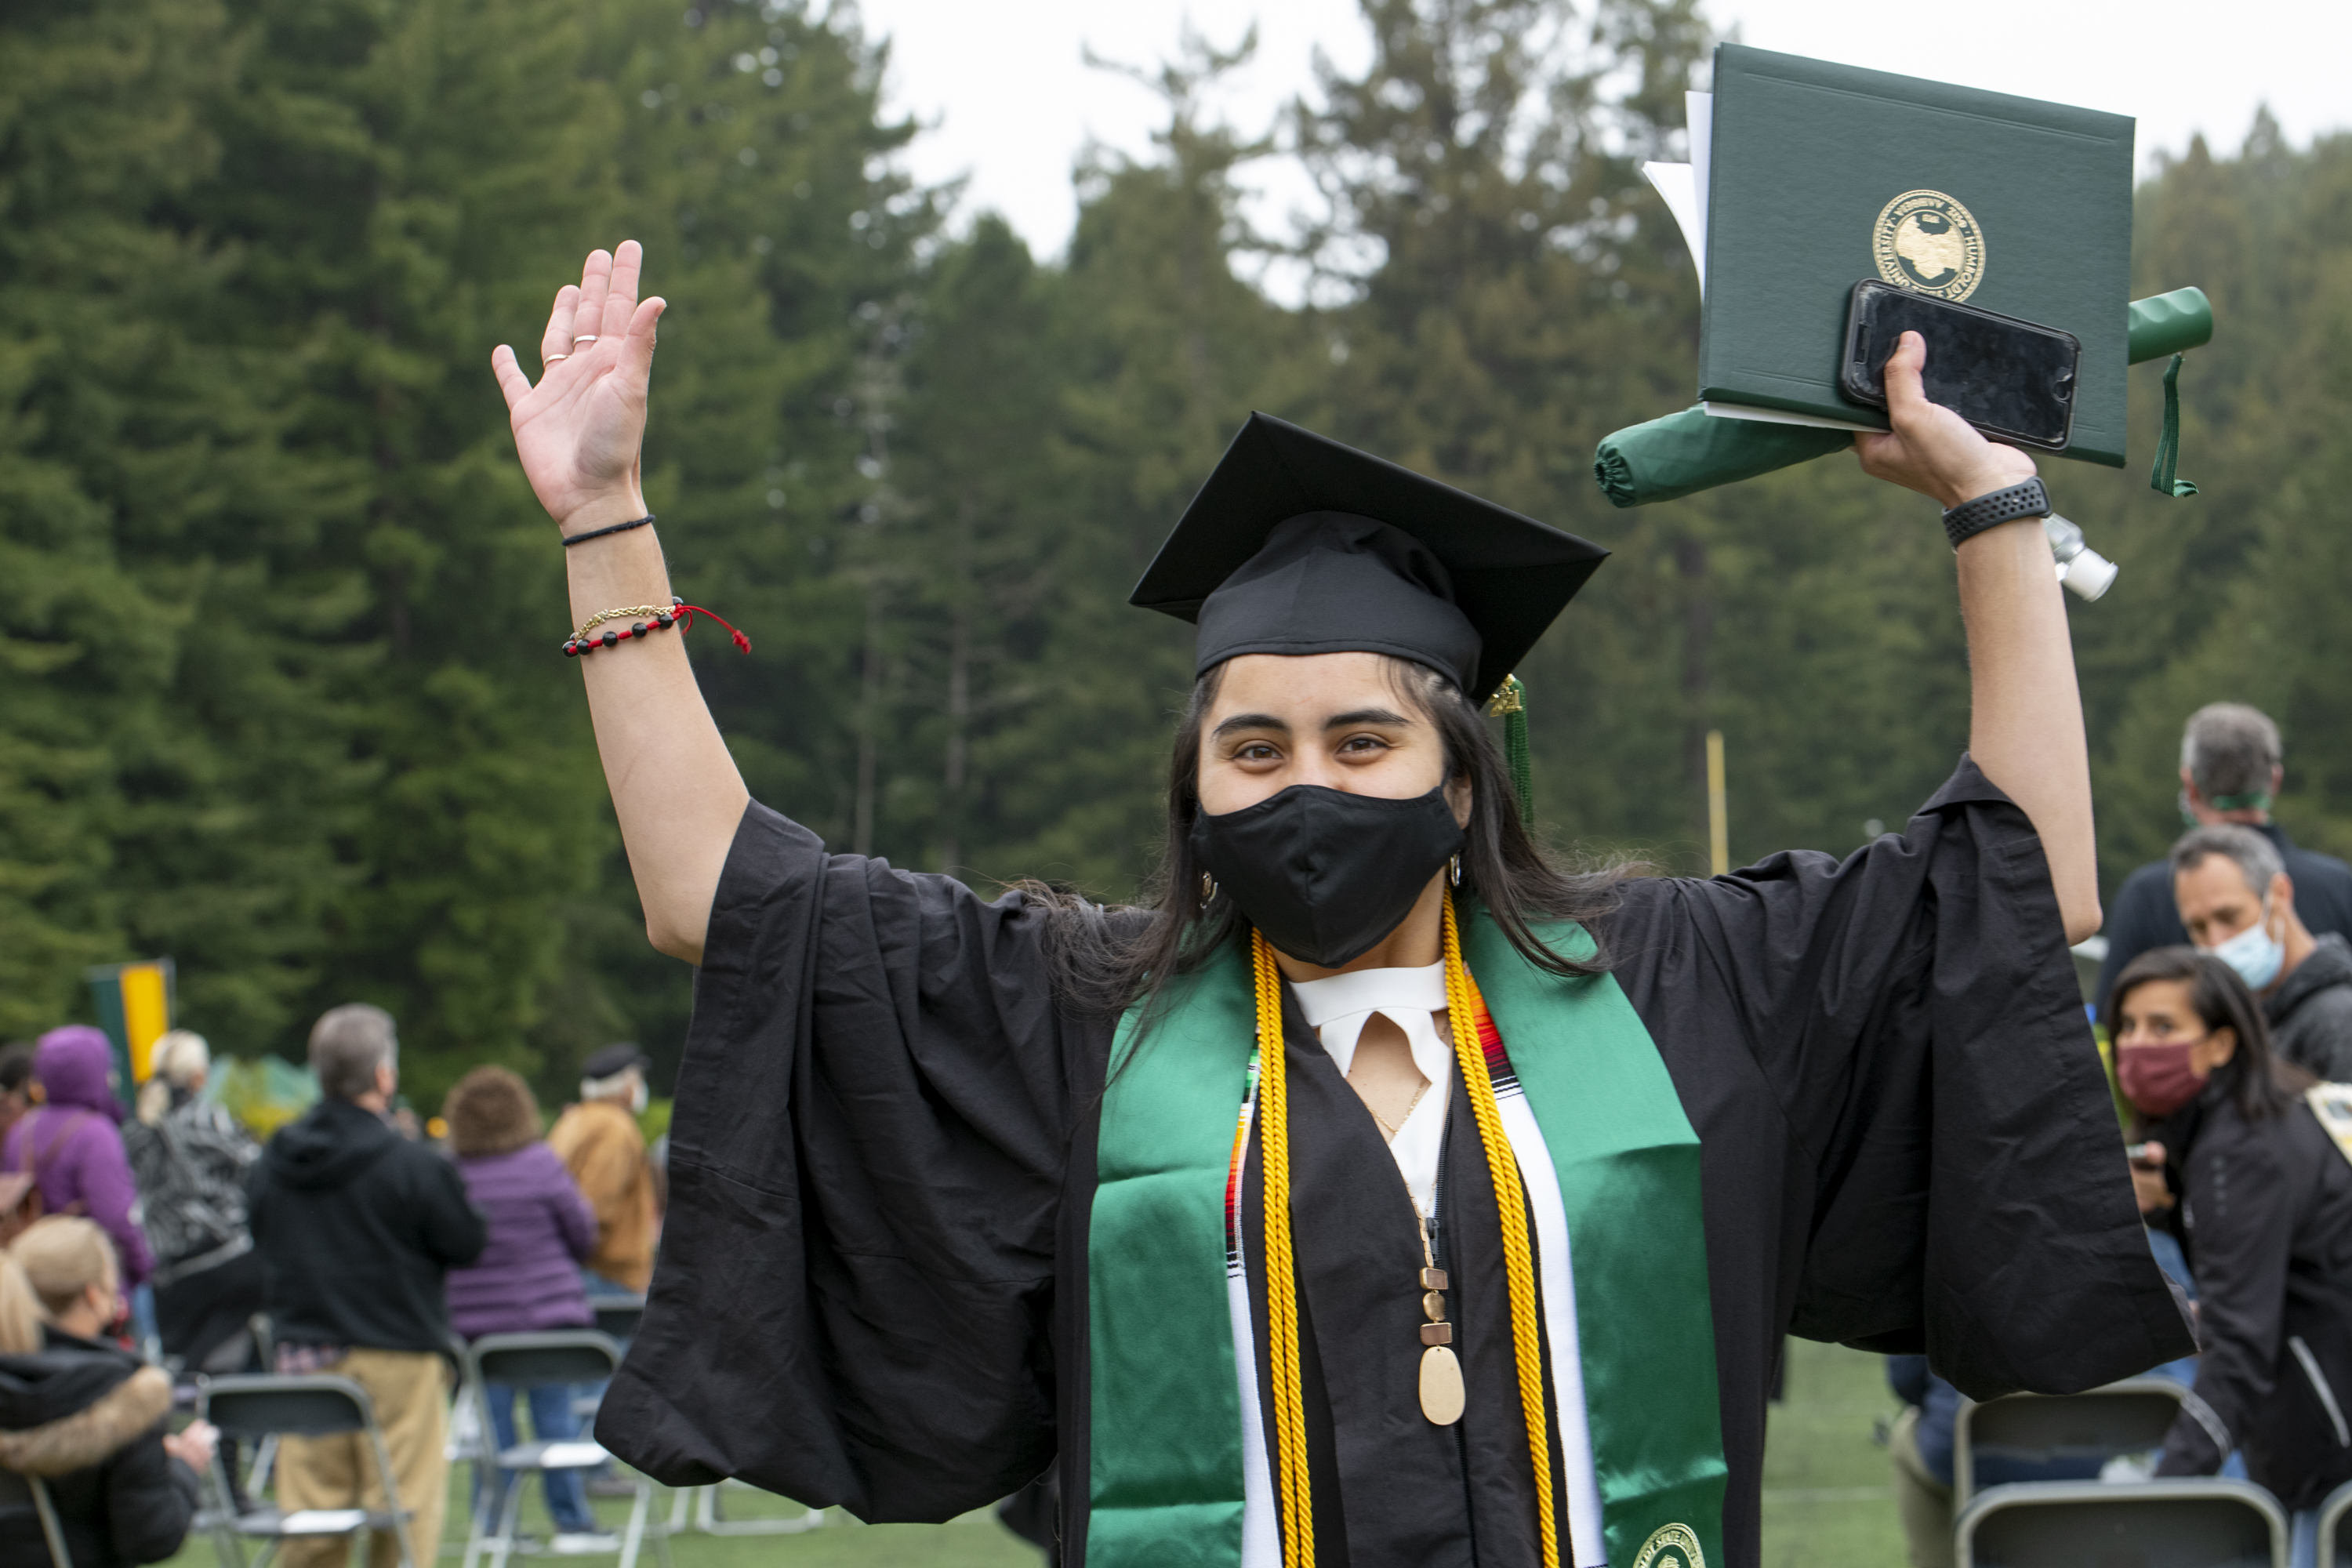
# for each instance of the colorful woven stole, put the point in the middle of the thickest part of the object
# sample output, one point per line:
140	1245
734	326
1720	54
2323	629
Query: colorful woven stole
1166	1476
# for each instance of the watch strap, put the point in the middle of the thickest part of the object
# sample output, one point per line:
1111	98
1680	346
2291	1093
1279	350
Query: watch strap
1990	511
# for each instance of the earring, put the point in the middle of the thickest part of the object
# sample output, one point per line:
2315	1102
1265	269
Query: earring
1208	888
1454	870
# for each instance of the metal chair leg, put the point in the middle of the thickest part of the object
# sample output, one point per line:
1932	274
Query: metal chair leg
510	1520
661	1541
635	1534
225	1544
707	1518
400	1531
481	1502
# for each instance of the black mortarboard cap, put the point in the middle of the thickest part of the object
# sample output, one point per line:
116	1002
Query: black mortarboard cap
1299	546
619	1057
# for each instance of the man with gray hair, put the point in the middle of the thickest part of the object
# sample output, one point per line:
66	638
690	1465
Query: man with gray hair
357	1227
2231	765
2238	903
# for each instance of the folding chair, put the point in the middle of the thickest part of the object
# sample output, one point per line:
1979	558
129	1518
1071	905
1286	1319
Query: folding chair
617	1315
30	1492
467	1444
2335	1535
2091	1427
2149	1524
261	1407
528	1361
702	1514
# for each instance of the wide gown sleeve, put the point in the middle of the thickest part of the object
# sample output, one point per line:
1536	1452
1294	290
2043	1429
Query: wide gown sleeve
1895	1044
852	1300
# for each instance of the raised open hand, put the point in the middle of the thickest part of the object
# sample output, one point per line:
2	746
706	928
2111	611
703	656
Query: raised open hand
1932	449
581	431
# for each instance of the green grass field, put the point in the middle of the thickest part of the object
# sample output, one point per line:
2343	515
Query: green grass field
1827	1503
1827	1500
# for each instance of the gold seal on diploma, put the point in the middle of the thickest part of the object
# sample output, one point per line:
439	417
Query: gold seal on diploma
1928	242
1671	1546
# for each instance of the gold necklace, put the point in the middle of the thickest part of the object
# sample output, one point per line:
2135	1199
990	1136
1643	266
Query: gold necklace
1441	1396
1389	1132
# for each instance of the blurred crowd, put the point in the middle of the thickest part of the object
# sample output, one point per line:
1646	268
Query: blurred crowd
2223	1008
142	1251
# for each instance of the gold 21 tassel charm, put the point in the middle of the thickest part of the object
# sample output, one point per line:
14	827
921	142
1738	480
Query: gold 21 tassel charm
1440	1370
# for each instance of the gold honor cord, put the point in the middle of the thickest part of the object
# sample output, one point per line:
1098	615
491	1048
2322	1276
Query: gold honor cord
1281	1277
1510	1198
1281	1280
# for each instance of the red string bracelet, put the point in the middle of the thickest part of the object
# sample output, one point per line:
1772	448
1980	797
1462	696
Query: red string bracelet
679	614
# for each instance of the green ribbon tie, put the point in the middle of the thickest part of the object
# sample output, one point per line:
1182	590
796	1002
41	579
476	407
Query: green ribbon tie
2167	446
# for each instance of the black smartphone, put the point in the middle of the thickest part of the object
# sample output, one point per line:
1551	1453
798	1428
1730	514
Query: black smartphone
2011	379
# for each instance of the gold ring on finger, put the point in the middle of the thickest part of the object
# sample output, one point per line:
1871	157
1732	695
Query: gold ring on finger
584	338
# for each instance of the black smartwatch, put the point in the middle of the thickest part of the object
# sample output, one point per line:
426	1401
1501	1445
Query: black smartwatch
1973	517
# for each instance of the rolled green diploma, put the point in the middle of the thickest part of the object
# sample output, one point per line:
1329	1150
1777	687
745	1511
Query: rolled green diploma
1691	451
2170	323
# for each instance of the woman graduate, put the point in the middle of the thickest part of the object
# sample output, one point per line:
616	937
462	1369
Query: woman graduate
1381	1194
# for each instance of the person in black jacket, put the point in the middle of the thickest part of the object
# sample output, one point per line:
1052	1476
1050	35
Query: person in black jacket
2237	1163
83	1415
357	1227
2231	767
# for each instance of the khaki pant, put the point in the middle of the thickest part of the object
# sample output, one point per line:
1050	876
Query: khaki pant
1924	1502
410	1392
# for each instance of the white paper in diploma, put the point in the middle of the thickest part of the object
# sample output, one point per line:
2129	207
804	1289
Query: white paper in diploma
1682	187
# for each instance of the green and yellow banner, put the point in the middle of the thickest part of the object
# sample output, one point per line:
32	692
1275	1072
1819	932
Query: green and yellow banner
135	1008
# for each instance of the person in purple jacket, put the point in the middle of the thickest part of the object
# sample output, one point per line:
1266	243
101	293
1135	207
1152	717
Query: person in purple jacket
528	1279
70	1144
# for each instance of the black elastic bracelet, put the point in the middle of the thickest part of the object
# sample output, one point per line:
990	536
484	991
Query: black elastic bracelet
1971	517
600	533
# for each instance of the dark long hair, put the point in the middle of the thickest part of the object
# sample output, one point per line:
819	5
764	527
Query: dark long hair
1103	963
2257	1081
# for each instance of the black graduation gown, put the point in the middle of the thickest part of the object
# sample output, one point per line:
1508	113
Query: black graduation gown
872	1283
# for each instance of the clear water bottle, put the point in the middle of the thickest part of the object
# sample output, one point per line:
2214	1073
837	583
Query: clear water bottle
2083	569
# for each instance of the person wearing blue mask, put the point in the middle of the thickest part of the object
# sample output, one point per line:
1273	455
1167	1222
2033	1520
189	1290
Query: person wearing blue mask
2232	767
2237	902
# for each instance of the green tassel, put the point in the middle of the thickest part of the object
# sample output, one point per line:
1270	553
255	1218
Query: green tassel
1510	704
2167	445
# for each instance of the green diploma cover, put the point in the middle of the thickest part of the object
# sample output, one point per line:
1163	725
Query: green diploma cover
1822	175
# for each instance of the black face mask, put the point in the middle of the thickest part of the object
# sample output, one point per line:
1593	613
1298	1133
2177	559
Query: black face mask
1326	874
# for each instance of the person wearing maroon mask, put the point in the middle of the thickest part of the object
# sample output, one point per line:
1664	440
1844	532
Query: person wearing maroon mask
2235	1164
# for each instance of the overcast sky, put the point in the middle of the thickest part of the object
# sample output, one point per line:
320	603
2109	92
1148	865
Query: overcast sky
1010	101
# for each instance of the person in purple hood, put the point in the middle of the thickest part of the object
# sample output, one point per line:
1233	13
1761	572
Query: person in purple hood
70	1143
528	1279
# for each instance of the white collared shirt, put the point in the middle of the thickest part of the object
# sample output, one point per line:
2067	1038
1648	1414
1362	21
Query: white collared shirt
1338	1008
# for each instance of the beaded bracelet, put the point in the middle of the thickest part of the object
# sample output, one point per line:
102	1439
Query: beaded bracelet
679	614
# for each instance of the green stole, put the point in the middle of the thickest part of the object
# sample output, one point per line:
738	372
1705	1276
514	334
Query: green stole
1165	1480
